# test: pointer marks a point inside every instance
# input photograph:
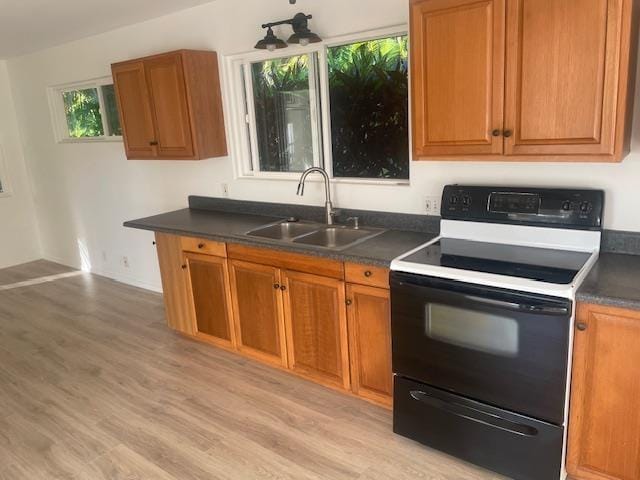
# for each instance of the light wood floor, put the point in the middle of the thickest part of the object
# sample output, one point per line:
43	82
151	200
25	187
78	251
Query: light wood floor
94	386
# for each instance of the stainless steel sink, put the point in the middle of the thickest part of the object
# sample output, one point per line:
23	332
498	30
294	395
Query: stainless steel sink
285	231
335	237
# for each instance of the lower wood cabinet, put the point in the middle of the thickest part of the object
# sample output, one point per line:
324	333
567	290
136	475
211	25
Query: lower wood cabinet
174	284
257	311
368	311
208	285
289	310
316	327
604	442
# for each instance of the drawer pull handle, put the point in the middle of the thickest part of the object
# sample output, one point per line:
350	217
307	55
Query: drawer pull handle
581	326
153	143
368	273
201	246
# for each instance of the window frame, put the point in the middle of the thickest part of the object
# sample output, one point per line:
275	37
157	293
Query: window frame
59	119
236	78
4	176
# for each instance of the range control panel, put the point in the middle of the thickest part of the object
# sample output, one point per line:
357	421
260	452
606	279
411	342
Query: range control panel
551	207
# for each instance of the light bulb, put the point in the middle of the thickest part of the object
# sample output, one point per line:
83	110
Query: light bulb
304	42
271	47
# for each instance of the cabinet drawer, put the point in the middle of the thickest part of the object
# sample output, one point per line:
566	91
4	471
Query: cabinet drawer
208	247
366	275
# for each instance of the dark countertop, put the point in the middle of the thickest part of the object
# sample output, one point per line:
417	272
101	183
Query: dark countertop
232	227
614	280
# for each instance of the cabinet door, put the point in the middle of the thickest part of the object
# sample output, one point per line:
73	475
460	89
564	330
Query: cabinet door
457	74
208	280
605	394
257	311
562	76
316	326
370	342
174	284
135	111
165	78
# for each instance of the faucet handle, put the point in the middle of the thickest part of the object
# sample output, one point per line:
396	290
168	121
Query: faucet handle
356	222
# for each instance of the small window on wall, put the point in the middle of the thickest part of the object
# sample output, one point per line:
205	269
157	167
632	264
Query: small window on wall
85	112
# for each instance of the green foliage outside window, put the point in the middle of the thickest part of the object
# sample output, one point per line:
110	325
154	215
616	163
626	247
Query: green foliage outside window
82	109
368	90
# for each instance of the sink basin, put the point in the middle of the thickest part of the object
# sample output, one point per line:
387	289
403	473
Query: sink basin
285	231
334	237
337	237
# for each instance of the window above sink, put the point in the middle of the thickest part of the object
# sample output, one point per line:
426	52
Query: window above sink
291	112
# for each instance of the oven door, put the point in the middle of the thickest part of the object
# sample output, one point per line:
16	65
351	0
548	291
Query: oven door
497	346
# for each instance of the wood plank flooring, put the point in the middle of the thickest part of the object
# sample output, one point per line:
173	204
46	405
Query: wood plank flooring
94	386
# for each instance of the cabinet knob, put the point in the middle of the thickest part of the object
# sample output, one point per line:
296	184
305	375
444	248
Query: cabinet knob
153	143
368	273
283	287
496	132
201	246
153	243
581	326
276	286
349	302
184	267
507	133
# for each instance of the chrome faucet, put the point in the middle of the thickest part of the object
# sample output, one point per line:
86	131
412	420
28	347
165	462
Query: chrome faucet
330	212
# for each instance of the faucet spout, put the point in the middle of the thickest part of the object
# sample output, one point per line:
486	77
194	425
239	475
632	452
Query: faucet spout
330	212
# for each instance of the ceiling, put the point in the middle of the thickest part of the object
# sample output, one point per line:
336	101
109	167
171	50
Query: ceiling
30	25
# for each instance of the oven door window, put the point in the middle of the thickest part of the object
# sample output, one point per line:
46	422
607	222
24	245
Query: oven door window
473	329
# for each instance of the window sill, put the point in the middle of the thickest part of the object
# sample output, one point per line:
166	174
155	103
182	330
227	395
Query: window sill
317	179
91	140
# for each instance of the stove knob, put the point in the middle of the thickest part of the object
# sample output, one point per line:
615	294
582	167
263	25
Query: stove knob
466	200
453	200
566	205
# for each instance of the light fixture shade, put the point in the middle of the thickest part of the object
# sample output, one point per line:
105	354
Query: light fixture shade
304	38
270	42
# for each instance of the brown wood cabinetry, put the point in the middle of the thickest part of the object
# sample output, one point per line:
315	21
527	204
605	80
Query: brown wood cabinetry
605	393
171	106
290	310
210	298
565	91
257	309
178	308
316	325
457	74
370	342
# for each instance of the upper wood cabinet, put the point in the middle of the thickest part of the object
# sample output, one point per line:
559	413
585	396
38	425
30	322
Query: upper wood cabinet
564	93
457	75
605	393
171	106
316	326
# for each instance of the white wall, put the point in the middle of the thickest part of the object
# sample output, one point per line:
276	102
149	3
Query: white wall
85	191
19	238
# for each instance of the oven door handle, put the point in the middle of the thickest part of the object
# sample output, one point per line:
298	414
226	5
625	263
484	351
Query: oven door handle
526	307
475	415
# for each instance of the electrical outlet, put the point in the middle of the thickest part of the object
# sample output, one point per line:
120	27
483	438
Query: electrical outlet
432	205
225	189
125	262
